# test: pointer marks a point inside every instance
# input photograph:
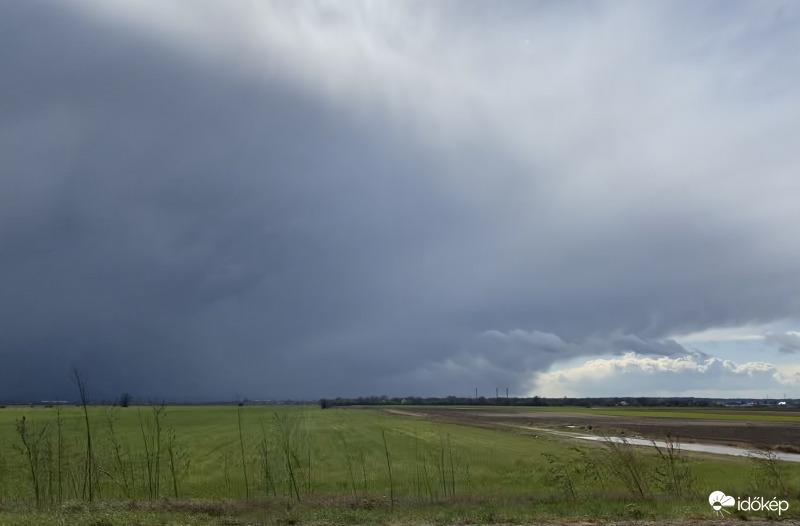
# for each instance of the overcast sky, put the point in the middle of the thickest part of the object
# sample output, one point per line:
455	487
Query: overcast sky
204	199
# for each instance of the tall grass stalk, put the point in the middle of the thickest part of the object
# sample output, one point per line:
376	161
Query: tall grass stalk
176	468
310	466
147	455
151	429
425	476
389	466
364	470
289	454
2	475
159	411
88	476
265	465
442	471
241	445
349	463
452	467
59	451
226	473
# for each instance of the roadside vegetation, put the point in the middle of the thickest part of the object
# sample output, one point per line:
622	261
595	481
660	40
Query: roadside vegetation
300	464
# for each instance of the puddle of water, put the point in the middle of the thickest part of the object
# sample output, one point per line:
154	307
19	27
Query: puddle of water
704	448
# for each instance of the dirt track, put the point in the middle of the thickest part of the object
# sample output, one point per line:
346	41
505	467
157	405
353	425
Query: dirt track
742	433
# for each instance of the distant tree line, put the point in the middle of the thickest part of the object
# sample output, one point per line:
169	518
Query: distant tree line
522	401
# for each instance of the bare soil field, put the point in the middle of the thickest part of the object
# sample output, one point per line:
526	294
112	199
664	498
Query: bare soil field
759	434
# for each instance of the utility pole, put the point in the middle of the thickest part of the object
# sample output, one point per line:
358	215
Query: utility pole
496	393
476	393
506	393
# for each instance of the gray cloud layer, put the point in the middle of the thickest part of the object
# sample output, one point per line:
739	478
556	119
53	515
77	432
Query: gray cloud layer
786	342
295	199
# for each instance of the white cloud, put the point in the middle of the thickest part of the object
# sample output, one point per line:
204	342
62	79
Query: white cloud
774	333
725	334
637	375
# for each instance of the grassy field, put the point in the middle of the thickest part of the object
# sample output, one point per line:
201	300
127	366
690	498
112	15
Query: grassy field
279	464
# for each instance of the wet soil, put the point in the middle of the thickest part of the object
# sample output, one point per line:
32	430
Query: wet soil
751	434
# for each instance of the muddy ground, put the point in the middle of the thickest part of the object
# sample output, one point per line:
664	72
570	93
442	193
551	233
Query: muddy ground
759	434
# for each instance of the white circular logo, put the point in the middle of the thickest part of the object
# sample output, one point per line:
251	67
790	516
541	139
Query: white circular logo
719	501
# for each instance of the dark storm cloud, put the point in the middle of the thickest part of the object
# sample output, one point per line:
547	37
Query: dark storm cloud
287	200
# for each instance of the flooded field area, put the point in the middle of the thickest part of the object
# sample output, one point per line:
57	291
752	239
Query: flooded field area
727	431
702	448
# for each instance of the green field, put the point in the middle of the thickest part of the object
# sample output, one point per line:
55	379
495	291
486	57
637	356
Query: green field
301	464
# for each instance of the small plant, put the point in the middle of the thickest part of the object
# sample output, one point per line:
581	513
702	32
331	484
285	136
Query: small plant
627	465
590	469
35	446
768	475
673	473
558	474
633	511
123	473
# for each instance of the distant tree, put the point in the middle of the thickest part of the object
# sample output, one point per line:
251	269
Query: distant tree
124	400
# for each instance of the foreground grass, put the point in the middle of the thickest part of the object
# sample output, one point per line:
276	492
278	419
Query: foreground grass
305	465
355	512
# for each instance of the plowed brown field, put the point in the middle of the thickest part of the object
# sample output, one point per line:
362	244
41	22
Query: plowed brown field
754	433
